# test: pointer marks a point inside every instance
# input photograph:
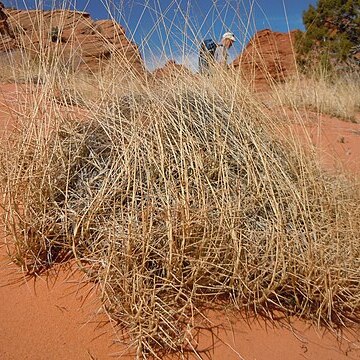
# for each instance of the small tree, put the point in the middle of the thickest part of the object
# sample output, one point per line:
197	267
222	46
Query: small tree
332	31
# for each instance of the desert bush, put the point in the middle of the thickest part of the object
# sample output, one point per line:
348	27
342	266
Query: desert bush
177	198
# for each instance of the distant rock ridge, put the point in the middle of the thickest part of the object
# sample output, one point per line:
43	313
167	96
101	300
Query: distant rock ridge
81	41
268	57
171	69
90	45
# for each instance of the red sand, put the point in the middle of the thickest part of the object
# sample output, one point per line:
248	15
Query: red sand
57	316
337	142
51	317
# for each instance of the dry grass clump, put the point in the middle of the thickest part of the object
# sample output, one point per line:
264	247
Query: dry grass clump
179	198
23	66
88	90
17	66
336	95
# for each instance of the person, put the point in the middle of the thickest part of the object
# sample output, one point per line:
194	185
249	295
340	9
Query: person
212	53
4	26
221	52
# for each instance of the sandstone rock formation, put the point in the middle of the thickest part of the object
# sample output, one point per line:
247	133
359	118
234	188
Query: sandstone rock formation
80	41
171	69
269	57
5	32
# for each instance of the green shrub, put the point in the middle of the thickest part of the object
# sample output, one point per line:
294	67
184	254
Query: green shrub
332	28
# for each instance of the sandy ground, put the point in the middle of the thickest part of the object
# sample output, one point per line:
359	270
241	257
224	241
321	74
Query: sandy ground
337	142
58	316
51	317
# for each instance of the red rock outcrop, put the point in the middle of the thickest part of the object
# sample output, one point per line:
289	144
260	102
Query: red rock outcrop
269	57
171	69
7	35
80	41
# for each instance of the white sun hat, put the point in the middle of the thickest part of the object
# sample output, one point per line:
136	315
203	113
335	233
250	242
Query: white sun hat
229	35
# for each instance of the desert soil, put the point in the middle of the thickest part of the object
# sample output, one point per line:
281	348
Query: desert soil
58	315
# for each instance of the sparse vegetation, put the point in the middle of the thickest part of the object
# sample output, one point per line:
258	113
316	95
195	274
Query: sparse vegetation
175	198
334	95
179	197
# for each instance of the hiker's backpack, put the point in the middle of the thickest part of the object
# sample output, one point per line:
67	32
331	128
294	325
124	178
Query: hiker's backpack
207	54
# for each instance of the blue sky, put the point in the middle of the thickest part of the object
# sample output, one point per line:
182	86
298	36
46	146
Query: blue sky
172	29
